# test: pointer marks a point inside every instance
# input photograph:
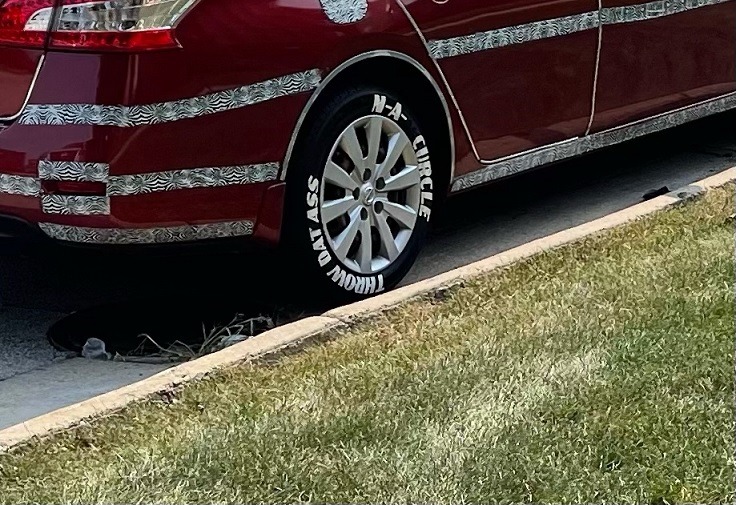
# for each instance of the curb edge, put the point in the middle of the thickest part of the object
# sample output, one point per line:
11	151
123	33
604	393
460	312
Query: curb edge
298	332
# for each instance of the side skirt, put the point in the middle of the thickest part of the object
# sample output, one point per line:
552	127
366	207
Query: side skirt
528	160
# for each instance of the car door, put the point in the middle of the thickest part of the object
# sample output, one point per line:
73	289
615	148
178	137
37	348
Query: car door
660	56
522	71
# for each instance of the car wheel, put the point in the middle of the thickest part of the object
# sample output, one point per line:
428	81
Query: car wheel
360	194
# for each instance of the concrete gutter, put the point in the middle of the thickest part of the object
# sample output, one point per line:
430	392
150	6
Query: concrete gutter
299	332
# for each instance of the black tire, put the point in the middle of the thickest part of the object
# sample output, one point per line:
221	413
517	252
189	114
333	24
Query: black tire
323	274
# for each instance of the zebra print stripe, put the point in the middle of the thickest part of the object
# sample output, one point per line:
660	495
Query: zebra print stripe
73	171
160	235
512	35
75	205
652	10
122	185
519	34
345	11
577	146
19	185
137	115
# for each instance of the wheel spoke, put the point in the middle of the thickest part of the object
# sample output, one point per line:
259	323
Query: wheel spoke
373	133
388	246
335	174
350	144
345	239
366	182
396	145
403	214
365	251
333	209
405	179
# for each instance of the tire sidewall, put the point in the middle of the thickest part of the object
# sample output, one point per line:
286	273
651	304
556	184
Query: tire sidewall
307	228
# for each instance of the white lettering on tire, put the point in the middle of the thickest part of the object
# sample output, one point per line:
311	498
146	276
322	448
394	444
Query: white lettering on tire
370	284
395	111
359	284
380	105
425	176
312	199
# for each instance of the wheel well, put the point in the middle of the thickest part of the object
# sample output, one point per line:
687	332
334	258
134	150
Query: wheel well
403	76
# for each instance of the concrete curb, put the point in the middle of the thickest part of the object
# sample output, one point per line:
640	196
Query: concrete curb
295	333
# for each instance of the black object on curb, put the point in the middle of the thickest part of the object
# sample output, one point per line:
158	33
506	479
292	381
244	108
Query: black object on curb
654	193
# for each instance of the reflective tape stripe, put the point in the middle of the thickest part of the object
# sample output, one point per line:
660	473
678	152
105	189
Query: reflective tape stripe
122	185
344	11
125	185
72	171
512	35
577	146
159	235
19	185
652	10
137	115
556	27
75	205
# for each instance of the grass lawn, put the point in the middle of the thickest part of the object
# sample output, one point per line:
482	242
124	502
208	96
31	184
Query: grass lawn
602	371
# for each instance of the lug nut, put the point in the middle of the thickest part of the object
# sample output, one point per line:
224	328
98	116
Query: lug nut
356	193
363	214
380	184
378	207
367	175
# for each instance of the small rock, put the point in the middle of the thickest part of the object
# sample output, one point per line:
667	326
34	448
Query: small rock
168	397
94	348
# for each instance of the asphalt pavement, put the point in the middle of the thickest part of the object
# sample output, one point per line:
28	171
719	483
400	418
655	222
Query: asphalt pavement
118	297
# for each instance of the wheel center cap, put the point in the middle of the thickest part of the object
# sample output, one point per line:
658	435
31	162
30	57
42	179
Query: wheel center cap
367	194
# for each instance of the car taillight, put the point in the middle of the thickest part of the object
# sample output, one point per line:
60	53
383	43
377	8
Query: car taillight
117	24
21	24
97	25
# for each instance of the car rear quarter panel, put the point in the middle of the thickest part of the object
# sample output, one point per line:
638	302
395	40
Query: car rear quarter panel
17	70
225	44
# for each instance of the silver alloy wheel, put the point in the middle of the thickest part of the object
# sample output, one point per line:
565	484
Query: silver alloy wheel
370	194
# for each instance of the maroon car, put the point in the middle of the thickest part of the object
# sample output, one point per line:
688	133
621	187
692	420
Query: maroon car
332	126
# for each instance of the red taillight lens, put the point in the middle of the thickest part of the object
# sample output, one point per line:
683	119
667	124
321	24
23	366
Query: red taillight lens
22	22
98	25
117	24
134	40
